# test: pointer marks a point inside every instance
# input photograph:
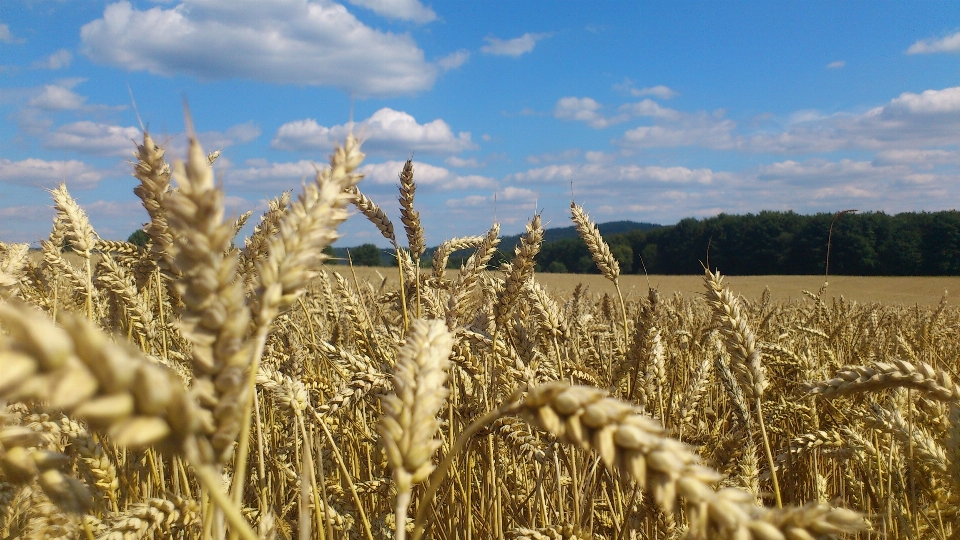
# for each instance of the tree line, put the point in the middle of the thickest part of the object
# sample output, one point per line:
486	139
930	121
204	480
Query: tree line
865	244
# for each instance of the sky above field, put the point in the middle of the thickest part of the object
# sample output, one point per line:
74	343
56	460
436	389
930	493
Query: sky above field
644	111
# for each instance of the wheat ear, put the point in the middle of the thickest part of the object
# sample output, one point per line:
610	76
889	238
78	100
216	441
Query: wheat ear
446	248
521	270
374	213
740	342
636	446
214	315
894	374
408	215
409	424
602	256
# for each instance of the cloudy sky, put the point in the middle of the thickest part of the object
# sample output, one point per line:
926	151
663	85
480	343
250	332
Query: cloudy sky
649	111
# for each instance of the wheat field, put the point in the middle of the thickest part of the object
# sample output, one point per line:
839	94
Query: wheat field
197	390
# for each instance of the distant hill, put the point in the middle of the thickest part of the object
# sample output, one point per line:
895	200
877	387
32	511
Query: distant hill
507	243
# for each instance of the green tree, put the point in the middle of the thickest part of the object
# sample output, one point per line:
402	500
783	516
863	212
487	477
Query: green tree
365	255
139	238
623	253
557	267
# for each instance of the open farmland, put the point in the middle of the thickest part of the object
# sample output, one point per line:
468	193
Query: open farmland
196	390
921	290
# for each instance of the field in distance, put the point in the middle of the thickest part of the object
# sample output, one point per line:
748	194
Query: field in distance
925	291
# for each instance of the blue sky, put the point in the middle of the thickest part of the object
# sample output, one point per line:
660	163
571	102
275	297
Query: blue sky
653	111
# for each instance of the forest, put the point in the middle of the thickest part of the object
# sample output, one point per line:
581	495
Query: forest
768	243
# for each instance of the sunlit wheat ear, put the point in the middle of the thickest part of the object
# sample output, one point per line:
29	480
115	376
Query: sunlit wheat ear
12	266
935	383
80	233
737	336
442	254
409	424
598	247
465	285
77	369
408	215
668	470
255	245
374	213
521	270
154	175
295	253
24	460
214	316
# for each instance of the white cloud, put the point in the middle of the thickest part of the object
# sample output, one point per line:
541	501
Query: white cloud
585	110
596	156
837	64
513	197
57	98
648	107
948	44
49	174
928	102
6	36
659	91
386	132
699	129
599	174
407	10
512	47
237	134
282	41
930	118
388	173
94	138
916	157
57	60
551	157
453	60
261	173
455	161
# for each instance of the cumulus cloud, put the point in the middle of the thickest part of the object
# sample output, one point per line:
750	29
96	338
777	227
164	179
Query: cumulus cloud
6	36
552	157
388	173
406	10
57	60
836	64
599	174
513	197
659	91
948	44
238	134
585	110
94	138
453	60
112	140
387	131
57	98
512	47
282	41
930	118
928	102
263	174
651	108
455	161
925	158
49	174
699	129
